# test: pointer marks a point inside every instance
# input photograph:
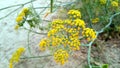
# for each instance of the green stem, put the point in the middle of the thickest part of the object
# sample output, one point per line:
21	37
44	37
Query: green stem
89	59
51	6
97	33
35	31
35	57
110	22
28	40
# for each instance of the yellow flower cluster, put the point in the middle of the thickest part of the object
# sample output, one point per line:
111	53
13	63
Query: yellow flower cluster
74	14
103	2
114	3
21	15
52	32
10	65
73	33
56	41
44	43
65	34
68	22
79	23
95	20
65	41
57	22
16	56
89	33
57	25
61	56
74	44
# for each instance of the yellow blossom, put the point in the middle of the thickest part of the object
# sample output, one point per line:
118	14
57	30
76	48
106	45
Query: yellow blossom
61	56
25	10
79	23
74	14
68	21
56	41
44	43
21	15
16	27
103	2
114	3
10	65
16	56
74	44
52	32
95	20
19	19
89	33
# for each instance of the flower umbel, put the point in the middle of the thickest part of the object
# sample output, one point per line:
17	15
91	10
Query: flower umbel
16	56
22	14
89	33
114	3
44	43
103	2
61	56
79	23
74	14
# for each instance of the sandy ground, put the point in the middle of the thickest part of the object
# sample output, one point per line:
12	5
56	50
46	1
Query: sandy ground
10	39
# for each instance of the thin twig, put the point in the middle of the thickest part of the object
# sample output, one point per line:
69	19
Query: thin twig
35	57
10	13
28	40
21	5
35	31
16	5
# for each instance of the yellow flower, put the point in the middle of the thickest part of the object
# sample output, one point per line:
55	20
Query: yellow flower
68	21
25	10
22	14
44	43
52	32
10	65
103	2
95	20
57	23
16	27
79	23
19	19
89	33
16	56
74	44
61	56
74	14
114	3
56	41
